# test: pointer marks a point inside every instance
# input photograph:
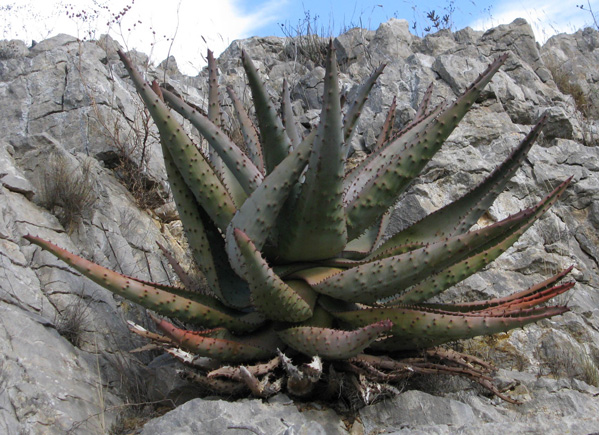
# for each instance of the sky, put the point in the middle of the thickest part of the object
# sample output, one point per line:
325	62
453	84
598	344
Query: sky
188	27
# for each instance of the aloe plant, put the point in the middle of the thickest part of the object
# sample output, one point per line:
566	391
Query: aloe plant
290	239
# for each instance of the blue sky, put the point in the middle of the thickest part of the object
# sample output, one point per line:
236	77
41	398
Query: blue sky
195	25
549	15
339	14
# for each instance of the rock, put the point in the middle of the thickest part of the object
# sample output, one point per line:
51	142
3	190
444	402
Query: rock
556	406
561	125
554	409
73	99
10	176
279	416
352	45
64	346
415	408
573	60
391	42
310	88
12	49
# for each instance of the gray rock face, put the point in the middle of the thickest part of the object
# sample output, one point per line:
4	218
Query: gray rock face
72	99
63	340
550	407
574	58
279	416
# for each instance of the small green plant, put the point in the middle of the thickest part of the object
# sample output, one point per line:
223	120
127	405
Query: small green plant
67	191
291	244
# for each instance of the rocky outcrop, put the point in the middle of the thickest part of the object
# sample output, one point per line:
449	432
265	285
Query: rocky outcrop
69	104
551	407
63	344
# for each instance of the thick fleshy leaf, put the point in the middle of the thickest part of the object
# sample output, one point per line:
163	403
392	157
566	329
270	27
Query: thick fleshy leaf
214	114
390	177
387	129
444	279
546	289
417	327
206	242
248	130
526	302
241	166
231	348
333	343
315	275
424	104
209	312
316	229
358	248
231	181
183	276
383	278
198	173
288	117
371	167
278	300
460	215
275	142
259	213
355	108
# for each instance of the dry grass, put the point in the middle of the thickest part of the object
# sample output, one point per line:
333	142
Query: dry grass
586	110
131	137
131	383
307	40
71	322
67	192
562	82
571	363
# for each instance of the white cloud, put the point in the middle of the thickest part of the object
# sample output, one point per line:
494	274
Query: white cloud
148	26
547	17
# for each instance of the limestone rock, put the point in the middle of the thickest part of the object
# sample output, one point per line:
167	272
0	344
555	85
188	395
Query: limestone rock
279	416
555	407
73	99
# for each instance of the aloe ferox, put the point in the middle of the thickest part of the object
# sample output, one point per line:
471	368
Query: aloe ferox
292	241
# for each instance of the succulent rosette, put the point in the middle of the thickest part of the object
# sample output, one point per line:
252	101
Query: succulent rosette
294	245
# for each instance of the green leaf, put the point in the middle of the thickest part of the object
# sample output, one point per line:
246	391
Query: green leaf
198	173
278	300
370	282
259	213
209	312
445	278
460	215
416	327
206	242
316	229
245	172
355	108
257	346
248	130
374	186
333	343
275	142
